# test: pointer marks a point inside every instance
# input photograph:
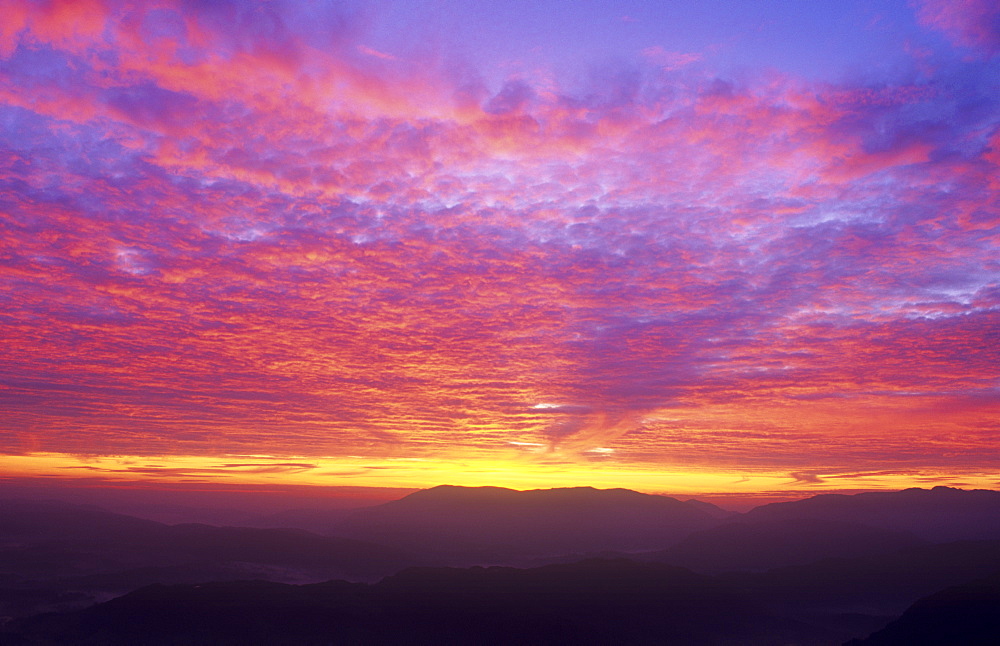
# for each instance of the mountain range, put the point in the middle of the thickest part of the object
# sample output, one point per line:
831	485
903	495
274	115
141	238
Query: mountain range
494	525
521	566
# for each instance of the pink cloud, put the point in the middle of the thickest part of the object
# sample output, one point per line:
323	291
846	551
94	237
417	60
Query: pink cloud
377	54
669	60
970	23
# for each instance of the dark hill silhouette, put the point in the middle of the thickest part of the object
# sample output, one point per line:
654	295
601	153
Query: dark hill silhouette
941	514
591	602
56	555
285	547
61	539
594	601
712	510
486	525
34	520
881	585
768	544
967	614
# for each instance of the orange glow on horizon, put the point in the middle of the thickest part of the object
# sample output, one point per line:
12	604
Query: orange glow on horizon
317	473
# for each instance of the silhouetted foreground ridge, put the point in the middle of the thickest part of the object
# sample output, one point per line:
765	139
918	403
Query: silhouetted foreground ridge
967	615
591	602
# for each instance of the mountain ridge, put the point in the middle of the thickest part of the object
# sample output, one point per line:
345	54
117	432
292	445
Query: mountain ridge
940	514
496	524
799	559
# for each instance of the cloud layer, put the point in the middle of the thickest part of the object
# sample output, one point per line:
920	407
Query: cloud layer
234	228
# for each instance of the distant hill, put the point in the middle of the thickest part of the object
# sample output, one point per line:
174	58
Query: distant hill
41	539
780	542
497	525
54	519
55	555
712	510
940	514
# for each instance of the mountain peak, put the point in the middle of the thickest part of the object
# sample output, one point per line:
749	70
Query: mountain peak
487	495
448	489
447	493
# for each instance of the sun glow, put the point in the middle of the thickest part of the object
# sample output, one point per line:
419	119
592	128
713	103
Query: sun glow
405	473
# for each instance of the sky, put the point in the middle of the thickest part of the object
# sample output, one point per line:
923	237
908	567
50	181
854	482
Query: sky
679	247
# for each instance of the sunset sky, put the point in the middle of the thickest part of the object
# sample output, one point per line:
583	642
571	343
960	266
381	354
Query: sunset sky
680	247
